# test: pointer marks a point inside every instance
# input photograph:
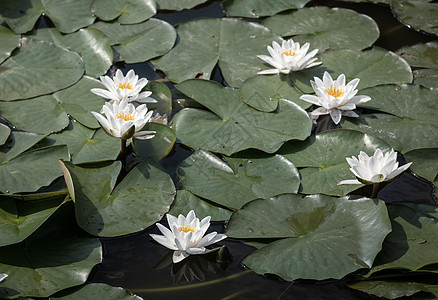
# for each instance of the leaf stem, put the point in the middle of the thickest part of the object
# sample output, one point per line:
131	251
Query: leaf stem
123	154
375	190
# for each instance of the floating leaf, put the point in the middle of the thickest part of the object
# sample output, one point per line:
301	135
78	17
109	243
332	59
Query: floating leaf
417	14
403	135
260	8
186	201
19	219
425	162
31	170
5	131
128	11
323	158
10	41
413	241
94	291
162	94
56	256
139	42
204	43
391	289
20	75
178	5
91	44
137	202
76	100
160	145
324	28
421	55
326	237
67	15
85	145
263	92
239	180
426	77
17	143
233	126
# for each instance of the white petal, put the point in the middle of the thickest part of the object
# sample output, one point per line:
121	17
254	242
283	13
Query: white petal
3	276
395	173
269	71
311	99
196	250
161	239
350	181
336	115
164	230
179	256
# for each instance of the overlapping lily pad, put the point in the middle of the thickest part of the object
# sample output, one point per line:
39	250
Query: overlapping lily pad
414	238
322	157
426	77
160	145
260	8
238	180
325	237
94	291
325	28
67	15
425	162
5	131
234	126
417	14
203	43
421	55
178	5
162	94
186	201
128	11
139	42
56	256
47	114
19	219
85	145
10	41
393	289
21	74
91	44
137	202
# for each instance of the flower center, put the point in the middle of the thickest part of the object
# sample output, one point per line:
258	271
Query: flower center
335	91
187	229
125	116
289	52
125	85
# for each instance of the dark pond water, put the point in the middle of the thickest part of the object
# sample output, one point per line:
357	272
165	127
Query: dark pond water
136	263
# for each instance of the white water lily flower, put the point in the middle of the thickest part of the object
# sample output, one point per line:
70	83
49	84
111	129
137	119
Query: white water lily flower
3	276
334	97
289	57
377	168
124	87
186	235
121	116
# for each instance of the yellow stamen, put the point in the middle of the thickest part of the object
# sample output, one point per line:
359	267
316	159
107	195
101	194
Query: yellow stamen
289	52
335	91
187	229
125	116
125	85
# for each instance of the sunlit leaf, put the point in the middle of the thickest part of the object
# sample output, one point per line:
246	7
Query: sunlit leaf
421	55
259	8
391	289
160	145
128	11
93	291
417	14
178	5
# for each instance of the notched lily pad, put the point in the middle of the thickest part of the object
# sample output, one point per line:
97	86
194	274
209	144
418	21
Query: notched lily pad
5	131
325	237
178	5
10	41
421	55
160	145
260	8
128	11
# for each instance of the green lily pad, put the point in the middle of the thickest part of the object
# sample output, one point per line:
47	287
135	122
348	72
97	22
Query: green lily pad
139	201
233	44
325	237
373	67
91	44
17	143
128	11
76	101
5	131
403	135
263	92
162	94
421	55
94	291
20	75
160	145
19	219
56	256
233	126
239	180
139	42
186	201
323	157
85	145
425	162
426	77
10	41
417	14
178	5
392	289
413	241
67	15
31	170
324	28
259	8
